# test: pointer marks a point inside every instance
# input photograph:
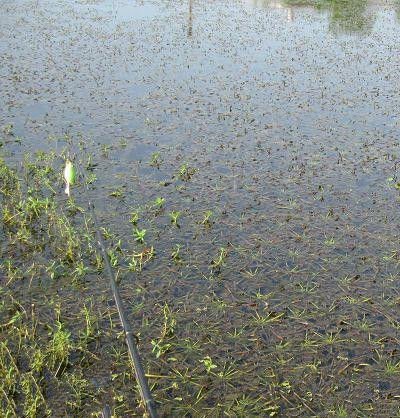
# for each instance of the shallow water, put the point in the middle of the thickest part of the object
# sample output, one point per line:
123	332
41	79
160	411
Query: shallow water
288	113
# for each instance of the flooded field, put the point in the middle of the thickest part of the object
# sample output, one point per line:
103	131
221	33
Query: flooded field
243	158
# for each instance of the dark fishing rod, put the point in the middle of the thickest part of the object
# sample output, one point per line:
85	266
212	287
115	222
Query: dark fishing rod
106	412
130	337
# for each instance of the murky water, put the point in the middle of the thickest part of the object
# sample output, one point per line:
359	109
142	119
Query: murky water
289	114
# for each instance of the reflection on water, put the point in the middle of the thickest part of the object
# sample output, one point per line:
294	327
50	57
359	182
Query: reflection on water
121	11
349	16
345	15
275	5
190	19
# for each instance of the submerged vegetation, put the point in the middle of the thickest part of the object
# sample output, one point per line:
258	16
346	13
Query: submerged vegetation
237	353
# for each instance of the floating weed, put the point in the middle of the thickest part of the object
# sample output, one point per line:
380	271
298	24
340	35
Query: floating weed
228	373
176	254
78	390
339	412
106	148
160	347
107	234
80	271
60	347
38	360
308	287
155	160
134	217
364	325
34	401
174	216
262	320
67	243
262	296
138	260
186	172
8	129
330	338
236	333
169	322
118	193
314	367
91	178
90	166
392	367
113	257
190	346
220	304
159	202
219	261
12	271
208	364
9	184
123	142
73	208
207	218
308	343
329	241
24	236
34	207
139	235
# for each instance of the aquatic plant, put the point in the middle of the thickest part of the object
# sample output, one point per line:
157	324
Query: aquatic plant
139	235
175	215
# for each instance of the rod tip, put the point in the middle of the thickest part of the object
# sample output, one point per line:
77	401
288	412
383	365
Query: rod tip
106	412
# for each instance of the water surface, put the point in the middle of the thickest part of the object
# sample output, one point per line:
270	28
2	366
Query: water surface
288	112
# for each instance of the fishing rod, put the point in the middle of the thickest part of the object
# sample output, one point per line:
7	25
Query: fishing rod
130	338
106	412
